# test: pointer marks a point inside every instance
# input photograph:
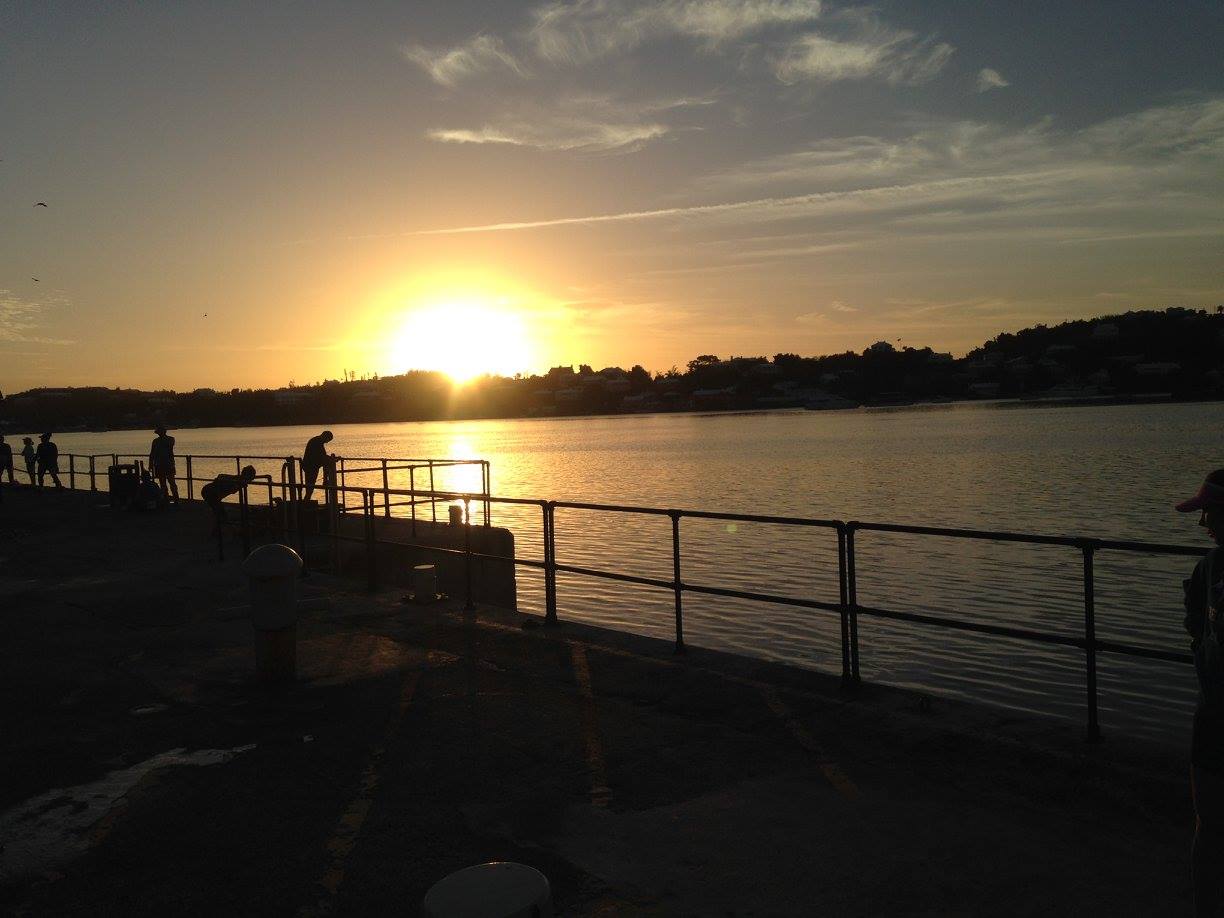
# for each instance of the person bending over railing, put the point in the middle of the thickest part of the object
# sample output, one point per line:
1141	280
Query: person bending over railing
314	458
221	487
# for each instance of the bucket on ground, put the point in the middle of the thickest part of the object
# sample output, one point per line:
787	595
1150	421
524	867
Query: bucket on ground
501	889
424	583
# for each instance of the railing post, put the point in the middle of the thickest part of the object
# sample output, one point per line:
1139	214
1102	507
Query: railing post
72	471
244	522
386	491
550	566
412	495
467	550
487	479
677	584
371	546
343	480
93	479
852	602
433	501
843	599
1090	648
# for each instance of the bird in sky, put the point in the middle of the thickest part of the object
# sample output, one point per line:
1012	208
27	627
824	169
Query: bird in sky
35	279
40	204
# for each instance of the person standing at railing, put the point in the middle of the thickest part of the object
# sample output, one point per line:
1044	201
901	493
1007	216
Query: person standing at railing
314	458
1204	598
6	460
48	461
27	453
216	491
161	463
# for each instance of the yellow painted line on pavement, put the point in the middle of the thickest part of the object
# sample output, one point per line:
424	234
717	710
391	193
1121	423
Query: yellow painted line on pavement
803	736
349	827
601	794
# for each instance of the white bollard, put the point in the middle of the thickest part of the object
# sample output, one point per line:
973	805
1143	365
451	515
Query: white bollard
499	890
272	572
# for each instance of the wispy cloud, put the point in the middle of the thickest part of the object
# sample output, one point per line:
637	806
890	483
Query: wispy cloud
858	45
21	318
575	33
450	66
988	79
572	122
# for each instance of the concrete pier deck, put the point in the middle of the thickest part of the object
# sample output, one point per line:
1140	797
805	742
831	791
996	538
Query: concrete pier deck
146	773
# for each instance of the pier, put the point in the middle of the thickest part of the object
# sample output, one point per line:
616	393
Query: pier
148	772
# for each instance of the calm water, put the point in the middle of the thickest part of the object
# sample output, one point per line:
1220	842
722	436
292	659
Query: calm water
1105	471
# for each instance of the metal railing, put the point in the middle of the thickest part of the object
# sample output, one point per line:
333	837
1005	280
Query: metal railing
846	606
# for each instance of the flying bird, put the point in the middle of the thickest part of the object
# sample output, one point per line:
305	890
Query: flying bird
40	204
35	279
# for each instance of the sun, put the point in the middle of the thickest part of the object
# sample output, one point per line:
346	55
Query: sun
463	338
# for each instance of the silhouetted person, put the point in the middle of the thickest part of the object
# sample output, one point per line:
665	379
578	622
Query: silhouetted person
28	454
221	487
48	461
1204	600
161	463
313	459
6	460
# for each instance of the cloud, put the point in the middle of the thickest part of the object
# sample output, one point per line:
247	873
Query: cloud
576	122
20	319
988	79
575	33
477	55
857	45
566	134
839	306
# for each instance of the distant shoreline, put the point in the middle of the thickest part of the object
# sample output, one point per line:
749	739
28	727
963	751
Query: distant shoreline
999	403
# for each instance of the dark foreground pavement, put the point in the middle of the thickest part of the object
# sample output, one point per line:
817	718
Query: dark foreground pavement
145	773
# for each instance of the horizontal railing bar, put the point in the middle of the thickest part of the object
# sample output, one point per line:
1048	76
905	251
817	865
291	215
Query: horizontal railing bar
1044	637
610	575
758	518
610	508
761	597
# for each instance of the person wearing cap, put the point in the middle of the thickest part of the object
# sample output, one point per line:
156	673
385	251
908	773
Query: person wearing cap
216	491
6	460
314	458
28	454
48	461
161	463
1204	598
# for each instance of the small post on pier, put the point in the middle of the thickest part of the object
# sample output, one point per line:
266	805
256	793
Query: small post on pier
433	501
550	566
386	491
843	600
1094	727
467	549
190	479
71	471
371	544
852	602
412	495
244	522
677	584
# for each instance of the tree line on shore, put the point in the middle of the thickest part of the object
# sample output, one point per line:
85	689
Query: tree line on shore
1174	351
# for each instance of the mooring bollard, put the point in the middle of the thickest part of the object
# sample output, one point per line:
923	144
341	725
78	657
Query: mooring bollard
498	890
424	583
273	571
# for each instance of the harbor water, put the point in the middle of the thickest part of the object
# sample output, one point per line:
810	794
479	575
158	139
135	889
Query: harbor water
1105	471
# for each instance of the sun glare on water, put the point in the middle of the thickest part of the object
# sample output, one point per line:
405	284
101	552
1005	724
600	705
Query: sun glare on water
463	339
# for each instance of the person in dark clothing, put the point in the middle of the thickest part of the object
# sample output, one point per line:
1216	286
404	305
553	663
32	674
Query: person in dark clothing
1204	598
161	464
221	487
313	459
28	454
48	461
6	460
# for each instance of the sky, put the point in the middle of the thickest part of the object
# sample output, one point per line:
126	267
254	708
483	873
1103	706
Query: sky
257	194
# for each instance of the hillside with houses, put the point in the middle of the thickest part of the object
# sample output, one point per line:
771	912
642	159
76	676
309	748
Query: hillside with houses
1174	353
